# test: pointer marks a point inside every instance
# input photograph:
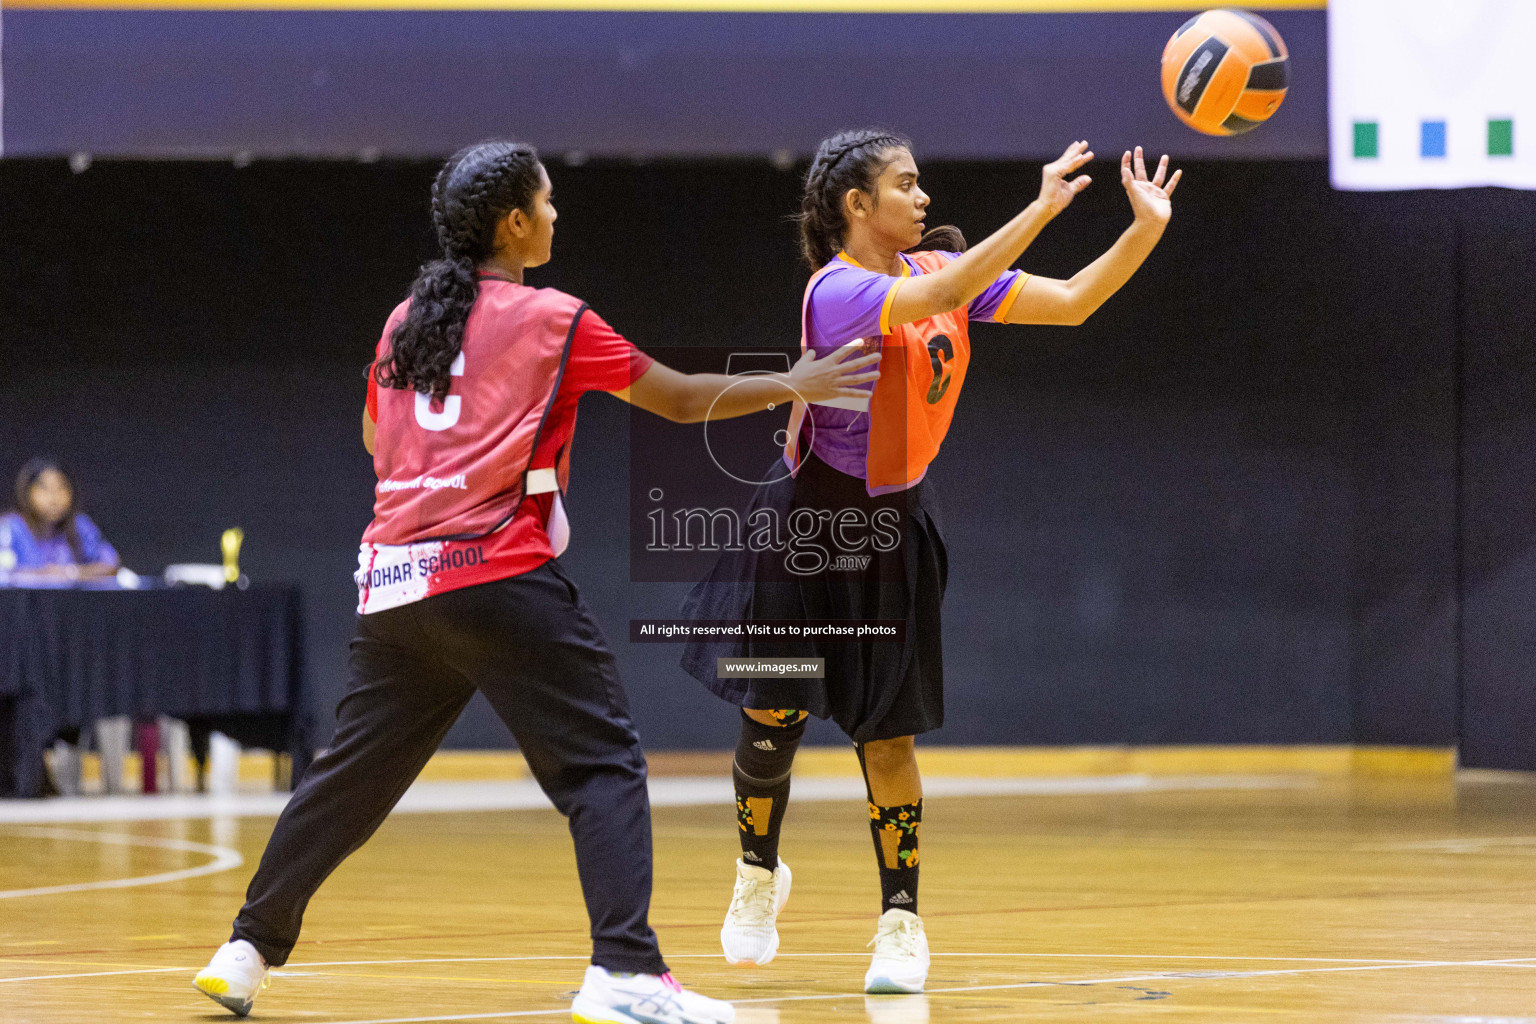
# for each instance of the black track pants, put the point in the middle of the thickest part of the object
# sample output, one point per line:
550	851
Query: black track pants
530	644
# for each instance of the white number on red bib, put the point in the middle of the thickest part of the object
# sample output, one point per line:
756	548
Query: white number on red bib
451	405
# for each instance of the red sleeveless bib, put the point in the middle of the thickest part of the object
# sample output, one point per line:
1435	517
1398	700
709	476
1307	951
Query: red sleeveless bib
457	468
453	473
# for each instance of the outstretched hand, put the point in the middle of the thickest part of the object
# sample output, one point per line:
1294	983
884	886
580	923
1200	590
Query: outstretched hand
835	375
1150	198
1056	189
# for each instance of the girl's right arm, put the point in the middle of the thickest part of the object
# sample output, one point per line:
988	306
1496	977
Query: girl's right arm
968	276
694	397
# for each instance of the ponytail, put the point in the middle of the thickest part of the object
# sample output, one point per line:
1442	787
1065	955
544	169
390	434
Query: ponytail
475	189
944	238
425	344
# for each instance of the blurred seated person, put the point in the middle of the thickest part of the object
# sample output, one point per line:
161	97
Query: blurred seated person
45	539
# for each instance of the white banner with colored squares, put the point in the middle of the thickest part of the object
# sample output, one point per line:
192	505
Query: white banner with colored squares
1432	93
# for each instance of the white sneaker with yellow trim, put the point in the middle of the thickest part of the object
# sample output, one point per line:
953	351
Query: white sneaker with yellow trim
234	977
750	936
901	956
612	998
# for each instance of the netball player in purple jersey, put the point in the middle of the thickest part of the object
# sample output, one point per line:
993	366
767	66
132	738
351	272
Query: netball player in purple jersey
883	284
470	414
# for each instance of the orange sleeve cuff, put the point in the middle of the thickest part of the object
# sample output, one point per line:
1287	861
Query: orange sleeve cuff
885	309
1006	306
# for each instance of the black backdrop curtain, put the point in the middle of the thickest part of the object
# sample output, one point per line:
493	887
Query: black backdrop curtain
1277	490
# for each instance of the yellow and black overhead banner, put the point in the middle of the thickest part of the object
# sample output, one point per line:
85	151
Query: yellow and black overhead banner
696	6
965	79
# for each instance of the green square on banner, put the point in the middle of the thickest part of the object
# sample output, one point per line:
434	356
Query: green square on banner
1501	137
1365	139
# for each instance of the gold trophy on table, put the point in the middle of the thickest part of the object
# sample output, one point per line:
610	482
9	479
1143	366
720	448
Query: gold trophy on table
229	544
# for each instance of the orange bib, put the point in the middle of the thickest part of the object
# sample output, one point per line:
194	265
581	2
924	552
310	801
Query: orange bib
922	368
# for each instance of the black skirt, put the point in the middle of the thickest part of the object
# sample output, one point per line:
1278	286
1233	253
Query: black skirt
873	689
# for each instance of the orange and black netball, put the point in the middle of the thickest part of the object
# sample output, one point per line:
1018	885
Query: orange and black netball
1225	72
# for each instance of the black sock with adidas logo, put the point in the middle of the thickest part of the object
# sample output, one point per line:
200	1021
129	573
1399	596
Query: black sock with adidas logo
760	771
896	831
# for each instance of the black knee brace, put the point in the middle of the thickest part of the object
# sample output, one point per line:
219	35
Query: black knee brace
761	775
765	753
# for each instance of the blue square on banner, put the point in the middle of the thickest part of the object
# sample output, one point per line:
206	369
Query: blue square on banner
1432	138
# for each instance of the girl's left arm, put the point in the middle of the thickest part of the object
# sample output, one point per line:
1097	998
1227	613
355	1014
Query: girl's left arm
1046	300
102	557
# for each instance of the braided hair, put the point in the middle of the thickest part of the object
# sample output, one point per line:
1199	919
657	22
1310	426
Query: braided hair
476	188
846	161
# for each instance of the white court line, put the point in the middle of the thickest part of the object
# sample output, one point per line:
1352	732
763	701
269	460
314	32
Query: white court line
1465	844
297	968
562	1011
1086	982
76	810
1520	962
101	974
678	791
716	956
1089	982
224	859
1062	956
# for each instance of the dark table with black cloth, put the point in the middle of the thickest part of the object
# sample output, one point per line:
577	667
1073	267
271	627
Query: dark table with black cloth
230	660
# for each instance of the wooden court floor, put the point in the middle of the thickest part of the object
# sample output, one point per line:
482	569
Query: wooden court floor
1330	899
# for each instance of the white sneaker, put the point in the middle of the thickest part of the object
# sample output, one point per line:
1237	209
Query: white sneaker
234	977
607	998
749	937
901	954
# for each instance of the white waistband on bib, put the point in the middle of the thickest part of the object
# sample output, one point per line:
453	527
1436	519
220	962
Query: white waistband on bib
846	402
541	481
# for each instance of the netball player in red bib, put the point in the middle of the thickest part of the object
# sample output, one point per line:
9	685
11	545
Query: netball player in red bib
470	413
883	285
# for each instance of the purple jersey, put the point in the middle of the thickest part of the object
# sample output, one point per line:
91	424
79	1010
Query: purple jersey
19	549
848	303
